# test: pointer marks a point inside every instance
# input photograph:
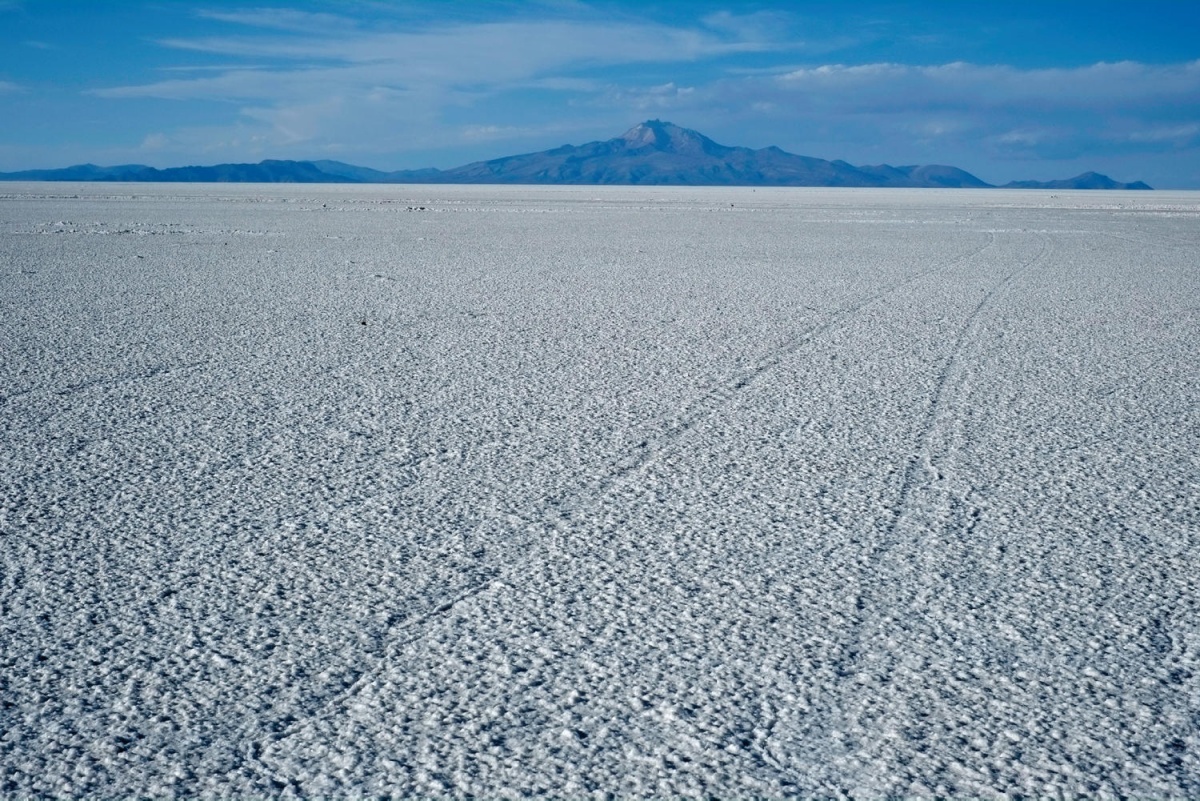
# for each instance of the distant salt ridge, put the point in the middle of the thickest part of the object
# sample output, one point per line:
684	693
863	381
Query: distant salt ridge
652	153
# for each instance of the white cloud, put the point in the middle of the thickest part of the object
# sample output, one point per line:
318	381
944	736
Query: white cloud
496	133
155	141
312	79
1025	137
8	87
283	19
885	86
555	84
491	51
301	122
1170	134
208	68
919	112
755	26
477	55
297	81
646	98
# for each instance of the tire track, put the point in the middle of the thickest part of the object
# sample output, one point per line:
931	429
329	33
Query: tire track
913	518
556	514
724	392
115	380
1164	244
923	459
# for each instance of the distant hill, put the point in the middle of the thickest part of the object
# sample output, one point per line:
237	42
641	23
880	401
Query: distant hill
1087	180
266	172
652	153
366	175
659	153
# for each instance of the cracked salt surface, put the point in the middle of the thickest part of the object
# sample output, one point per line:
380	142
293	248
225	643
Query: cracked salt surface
719	492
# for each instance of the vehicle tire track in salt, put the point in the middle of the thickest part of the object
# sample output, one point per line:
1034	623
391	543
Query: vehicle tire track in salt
557	513
116	380
939	397
724	392
1165	244
923	472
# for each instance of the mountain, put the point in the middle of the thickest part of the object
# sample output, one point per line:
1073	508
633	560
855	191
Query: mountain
429	175
266	172
659	153
1087	180
79	172
652	153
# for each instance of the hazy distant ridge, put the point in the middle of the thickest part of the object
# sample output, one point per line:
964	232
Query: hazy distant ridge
659	153
652	153
1088	180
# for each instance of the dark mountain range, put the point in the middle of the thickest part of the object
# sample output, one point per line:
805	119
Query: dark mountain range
1088	180
653	153
267	172
659	153
366	175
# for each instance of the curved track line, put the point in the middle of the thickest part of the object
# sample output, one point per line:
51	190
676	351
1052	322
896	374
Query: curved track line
941	392
1163	244
556	514
870	616
121	378
724	392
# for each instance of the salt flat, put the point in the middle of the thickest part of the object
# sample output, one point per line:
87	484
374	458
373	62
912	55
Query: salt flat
482	490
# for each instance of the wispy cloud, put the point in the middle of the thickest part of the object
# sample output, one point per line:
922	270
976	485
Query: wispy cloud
305	75
203	68
923	110
497	133
651	98
300	81
8	88
302	46
898	86
760	26
1172	134
283	19
155	141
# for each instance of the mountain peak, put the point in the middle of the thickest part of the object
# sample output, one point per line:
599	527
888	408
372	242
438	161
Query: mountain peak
650	133
667	136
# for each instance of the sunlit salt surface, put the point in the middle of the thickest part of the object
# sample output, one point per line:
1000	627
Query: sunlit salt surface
497	491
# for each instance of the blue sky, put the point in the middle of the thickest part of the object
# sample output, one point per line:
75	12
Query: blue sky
1006	90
